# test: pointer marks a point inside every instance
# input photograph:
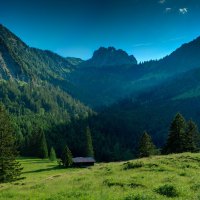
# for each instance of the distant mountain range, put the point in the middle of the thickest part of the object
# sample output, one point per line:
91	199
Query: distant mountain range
110	75
139	97
106	84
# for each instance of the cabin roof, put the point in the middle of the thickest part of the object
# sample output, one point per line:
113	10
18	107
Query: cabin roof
83	160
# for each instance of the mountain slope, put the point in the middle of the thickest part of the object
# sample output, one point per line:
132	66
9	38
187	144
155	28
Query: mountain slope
30	61
106	84
152	111
30	66
109	76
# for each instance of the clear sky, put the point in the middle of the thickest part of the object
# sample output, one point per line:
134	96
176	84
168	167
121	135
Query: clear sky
148	29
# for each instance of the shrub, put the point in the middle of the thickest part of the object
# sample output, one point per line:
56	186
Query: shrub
131	165
167	190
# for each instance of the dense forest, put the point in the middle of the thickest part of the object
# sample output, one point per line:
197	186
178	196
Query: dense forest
108	101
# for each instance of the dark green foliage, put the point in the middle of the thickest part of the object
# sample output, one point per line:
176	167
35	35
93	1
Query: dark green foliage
146	146
176	139
42	148
167	190
182	137
10	169
192	137
52	155
89	145
66	157
36	144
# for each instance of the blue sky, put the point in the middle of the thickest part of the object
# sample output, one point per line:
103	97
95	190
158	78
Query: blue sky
148	29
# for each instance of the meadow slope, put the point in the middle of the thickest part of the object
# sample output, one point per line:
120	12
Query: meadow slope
160	177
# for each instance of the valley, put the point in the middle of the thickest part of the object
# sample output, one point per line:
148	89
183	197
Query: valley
160	177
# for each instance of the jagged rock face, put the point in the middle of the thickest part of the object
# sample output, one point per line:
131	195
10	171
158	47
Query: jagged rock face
110	57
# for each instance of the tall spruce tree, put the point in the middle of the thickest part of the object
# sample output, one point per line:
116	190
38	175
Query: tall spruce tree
177	137
89	145
10	169
52	155
146	146
42	146
66	157
191	137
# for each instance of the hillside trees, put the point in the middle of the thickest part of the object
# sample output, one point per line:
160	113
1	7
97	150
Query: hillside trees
36	144
176	137
146	146
191	137
89	145
183	136
42	148
10	169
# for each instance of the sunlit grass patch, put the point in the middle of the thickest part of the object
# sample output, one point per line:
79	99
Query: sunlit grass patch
159	177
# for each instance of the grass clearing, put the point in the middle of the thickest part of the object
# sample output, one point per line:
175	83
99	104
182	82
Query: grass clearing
160	177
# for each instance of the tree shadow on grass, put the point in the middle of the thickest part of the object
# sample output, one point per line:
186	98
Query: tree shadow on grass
43	170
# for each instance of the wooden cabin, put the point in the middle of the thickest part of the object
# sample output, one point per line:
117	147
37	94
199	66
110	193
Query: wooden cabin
83	161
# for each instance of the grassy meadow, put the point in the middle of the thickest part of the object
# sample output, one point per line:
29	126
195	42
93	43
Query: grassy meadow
160	177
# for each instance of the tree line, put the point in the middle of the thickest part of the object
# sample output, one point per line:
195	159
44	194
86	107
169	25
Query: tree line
10	168
183	137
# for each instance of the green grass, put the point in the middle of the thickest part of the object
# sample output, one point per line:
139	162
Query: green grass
159	177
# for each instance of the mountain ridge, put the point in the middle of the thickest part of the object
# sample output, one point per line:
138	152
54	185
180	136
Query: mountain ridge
109	57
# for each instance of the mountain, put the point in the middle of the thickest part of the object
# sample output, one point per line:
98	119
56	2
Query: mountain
109	76
31	80
74	61
152	110
25	63
43	89
105	84
109	57
186	57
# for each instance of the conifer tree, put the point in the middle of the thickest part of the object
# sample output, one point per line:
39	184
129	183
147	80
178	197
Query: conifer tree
89	146
146	146
42	146
52	155
66	157
10	169
192	137
176	138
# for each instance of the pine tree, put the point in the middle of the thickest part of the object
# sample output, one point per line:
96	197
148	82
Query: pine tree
10	169
192	137
176	138
66	157
146	146
52	155
89	146
42	146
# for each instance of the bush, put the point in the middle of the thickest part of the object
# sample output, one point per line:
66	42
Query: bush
131	165
167	190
